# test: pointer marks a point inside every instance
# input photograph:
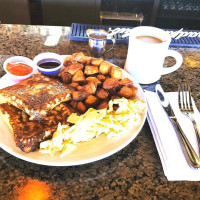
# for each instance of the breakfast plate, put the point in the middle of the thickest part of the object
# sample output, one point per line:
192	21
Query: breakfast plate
86	152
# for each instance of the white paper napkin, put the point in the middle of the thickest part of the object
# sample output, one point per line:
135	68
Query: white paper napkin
172	158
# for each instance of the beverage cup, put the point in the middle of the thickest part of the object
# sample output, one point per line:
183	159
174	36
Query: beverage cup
147	50
98	41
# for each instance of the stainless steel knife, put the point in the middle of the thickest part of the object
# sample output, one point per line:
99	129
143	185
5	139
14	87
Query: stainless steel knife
191	156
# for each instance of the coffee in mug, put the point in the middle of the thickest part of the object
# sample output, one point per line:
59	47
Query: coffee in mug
147	50
149	39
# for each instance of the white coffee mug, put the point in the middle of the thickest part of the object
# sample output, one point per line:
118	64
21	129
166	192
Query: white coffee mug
145	59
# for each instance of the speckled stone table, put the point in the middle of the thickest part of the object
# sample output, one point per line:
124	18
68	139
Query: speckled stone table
133	173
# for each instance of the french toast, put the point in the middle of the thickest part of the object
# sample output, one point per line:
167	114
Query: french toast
28	134
36	95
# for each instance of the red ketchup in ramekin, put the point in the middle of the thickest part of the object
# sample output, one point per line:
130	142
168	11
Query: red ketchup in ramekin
18	68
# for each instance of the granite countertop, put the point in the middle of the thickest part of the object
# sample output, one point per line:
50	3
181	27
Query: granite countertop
132	173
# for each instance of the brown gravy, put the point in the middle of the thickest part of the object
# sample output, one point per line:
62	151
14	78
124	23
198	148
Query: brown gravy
149	39
49	63
98	36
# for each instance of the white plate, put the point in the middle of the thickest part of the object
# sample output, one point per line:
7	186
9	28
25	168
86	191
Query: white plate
86	152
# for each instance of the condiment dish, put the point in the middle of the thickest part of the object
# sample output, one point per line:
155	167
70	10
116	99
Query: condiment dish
23	67
48	63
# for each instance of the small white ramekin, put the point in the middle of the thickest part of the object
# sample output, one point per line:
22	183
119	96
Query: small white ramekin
21	59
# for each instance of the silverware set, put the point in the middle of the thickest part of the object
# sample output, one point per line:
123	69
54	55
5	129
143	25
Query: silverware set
186	107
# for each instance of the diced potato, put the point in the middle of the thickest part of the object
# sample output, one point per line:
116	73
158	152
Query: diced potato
116	72
102	105
65	76
68	61
96	61
128	92
104	67
126	82
102	94
79	95
80	87
101	77
79	57
90	88
94	80
90	70
73	68
88	60
81	107
134	90
91	101
73	103
112	91
78	77
74	85
110	83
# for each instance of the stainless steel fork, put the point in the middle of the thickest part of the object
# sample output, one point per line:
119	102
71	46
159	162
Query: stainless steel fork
186	106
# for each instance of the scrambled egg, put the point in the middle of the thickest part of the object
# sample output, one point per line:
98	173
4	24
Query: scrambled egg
93	123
